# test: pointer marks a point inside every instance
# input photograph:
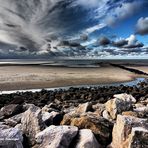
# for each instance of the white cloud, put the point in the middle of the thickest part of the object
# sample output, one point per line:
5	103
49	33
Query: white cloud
94	28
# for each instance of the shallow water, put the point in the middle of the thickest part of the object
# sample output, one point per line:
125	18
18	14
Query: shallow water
130	83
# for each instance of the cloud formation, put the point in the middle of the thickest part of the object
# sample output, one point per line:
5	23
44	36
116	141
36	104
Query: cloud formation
142	26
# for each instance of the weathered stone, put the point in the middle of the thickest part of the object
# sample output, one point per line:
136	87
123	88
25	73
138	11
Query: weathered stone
13	121
123	127
117	106
56	136
130	113
106	115
52	118
138	138
11	138
3	126
82	108
32	123
101	127
11	110
86	139
125	97
99	108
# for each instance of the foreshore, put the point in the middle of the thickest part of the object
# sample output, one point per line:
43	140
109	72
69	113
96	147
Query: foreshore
37	77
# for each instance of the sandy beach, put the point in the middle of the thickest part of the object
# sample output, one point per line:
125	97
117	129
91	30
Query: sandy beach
32	77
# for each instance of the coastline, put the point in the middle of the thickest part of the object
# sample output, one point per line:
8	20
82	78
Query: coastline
37	77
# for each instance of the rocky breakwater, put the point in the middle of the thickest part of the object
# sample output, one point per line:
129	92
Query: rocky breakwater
59	119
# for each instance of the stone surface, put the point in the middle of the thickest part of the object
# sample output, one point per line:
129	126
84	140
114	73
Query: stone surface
56	136
13	121
52	118
117	106
99	108
82	108
10	110
100	126
125	97
138	138
123	128
86	139
11	138
32	123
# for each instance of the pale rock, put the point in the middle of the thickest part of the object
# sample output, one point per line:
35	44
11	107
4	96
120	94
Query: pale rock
82	108
117	106
56	136
32	123
106	115
86	139
11	138
123	127
99	108
125	97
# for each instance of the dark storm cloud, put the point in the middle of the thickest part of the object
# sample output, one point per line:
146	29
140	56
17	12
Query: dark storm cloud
104	41
142	26
120	43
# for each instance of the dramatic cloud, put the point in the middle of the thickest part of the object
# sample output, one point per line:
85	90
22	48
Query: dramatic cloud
104	41
67	27
142	26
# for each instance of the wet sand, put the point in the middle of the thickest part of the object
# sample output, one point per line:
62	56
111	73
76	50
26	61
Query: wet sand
33	77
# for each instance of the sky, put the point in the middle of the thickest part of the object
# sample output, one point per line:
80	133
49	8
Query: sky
95	29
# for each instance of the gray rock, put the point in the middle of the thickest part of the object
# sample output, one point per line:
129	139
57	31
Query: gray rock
56	136
86	139
10	110
13	121
11	138
32	123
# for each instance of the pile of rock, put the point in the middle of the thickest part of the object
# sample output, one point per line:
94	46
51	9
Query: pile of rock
121	122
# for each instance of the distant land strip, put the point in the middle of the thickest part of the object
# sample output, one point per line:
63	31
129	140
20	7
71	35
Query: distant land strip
136	71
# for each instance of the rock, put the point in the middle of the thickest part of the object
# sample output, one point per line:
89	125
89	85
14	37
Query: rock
125	97
3	126
101	127
99	108
56	136
86	139
138	138
130	113
123	127
52	118
82	108
117	106
10	110
106	115
13	121
11	138
32	123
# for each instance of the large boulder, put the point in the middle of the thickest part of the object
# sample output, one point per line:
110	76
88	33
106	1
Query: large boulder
11	138
122	102
86	139
31	123
56	136
101	127
123	129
